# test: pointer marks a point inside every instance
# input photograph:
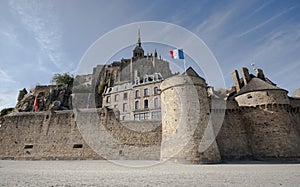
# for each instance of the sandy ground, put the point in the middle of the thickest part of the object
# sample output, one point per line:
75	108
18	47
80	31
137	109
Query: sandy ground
103	173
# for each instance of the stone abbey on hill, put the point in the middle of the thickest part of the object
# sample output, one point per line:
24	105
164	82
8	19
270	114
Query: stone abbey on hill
139	109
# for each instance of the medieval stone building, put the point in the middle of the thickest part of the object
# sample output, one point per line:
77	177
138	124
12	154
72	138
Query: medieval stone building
128	70
150	114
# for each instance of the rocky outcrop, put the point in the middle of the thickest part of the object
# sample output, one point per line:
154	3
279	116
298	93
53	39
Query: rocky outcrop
56	97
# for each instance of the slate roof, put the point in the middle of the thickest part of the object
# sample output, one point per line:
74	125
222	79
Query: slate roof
256	84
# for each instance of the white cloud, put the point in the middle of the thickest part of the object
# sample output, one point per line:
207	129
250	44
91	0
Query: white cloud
39	18
213	25
256	27
5	78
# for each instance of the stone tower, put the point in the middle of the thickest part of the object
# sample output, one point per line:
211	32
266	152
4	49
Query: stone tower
266	108
185	116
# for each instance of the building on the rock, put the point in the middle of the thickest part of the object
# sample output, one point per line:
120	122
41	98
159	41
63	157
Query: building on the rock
127	69
139	100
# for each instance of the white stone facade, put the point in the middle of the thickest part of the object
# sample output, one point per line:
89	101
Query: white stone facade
136	101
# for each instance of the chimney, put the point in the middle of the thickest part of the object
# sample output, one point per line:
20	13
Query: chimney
260	74
236	80
246	75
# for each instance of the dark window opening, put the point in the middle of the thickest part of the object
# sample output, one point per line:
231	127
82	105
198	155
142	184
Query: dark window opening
145	103
28	147
125	96
76	146
137	105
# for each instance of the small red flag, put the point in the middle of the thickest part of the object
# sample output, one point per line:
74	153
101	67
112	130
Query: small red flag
36	104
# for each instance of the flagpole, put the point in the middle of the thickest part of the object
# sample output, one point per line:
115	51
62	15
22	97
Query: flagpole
184	66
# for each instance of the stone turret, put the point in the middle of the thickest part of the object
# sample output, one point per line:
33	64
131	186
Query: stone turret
185	116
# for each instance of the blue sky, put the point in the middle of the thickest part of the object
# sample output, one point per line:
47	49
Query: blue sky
41	38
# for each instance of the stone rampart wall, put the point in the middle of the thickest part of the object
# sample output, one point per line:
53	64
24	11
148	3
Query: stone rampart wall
63	135
268	131
233	136
43	135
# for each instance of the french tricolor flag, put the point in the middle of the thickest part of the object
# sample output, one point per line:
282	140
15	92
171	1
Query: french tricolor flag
177	54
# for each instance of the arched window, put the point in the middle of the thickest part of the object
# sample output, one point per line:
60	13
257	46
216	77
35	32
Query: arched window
146	92
125	96
146	103
125	107
117	98
137	105
137	93
155	91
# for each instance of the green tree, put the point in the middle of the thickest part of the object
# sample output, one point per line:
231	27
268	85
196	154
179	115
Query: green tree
65	78
221	92
6	111
102	87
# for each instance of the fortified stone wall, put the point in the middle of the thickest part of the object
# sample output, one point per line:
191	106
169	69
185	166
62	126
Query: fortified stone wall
258	124
43	135
46	135
113	140
233	138
295	113
272	132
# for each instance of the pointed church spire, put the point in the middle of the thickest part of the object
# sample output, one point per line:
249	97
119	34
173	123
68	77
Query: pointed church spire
155	53
138	51
139	43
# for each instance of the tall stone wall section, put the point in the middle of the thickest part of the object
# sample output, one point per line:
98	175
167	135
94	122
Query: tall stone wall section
232	139
60	135
272	133
108	137
271	130
43	135
295	113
